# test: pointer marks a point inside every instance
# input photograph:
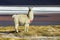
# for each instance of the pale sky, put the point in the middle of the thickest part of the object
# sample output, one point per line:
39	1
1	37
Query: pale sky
13	10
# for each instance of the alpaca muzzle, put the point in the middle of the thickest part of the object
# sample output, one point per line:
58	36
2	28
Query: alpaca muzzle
31	21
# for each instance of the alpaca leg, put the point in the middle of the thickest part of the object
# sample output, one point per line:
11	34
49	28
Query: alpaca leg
16	28
26	27
16	24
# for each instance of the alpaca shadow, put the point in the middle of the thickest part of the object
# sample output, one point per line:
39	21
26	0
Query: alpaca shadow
7	32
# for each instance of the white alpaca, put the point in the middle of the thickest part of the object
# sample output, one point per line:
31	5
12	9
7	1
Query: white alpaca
24	19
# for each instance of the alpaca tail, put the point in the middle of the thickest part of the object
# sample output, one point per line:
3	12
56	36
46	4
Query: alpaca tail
13	16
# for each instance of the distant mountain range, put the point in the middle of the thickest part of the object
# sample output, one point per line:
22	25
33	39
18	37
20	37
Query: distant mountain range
39	19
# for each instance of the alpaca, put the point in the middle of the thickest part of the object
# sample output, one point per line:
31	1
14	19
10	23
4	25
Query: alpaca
24	19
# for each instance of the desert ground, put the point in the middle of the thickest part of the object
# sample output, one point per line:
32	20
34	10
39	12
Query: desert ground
8	32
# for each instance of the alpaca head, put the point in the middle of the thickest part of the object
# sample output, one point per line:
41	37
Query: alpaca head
30	14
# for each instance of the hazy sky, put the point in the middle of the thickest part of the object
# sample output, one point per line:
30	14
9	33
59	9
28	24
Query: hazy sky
29	2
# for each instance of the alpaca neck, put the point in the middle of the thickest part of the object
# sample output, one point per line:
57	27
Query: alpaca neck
30	14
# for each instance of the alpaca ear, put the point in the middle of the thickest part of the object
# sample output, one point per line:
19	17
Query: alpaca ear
30	8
